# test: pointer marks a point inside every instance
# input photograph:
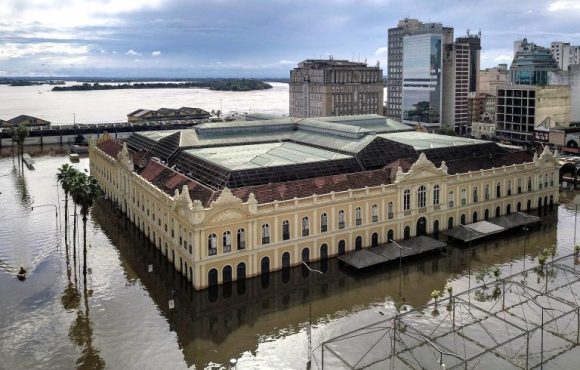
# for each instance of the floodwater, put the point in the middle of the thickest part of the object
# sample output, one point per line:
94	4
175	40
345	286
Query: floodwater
89	106
123	319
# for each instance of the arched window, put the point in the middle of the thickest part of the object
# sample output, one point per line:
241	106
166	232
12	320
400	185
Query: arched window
539	181
341	223
323	223
241	239
552	179
486	192
285	230
227	242
406	199
498	190
358	216
390	213
436	191
390	235
451	199
265	234
463	197
546	180
450	223
305	226
323	251
530	183
241	271
519	185
375	213
212	277
227	274
212	244
306	255
509	187
407	232
422	197
475	195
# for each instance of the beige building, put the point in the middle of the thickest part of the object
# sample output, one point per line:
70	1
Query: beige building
522	108
167	114
231	200
491	78
329	87
483	130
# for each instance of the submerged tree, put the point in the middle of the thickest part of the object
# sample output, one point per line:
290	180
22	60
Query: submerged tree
19	134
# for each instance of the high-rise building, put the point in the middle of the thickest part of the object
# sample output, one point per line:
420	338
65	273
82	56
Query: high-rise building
565	54
329	87
460	79
521	108
419	37
531	64
491	78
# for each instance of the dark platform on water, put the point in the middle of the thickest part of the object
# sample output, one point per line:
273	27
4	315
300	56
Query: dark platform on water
481	229
388	252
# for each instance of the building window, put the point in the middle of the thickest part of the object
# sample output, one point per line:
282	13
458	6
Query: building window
530	183
265	234
227	242
451	199
241	239
475	195
390	213
212	244
519	185
406	199
305	227
509	188
358	216
341	223
539	181
546	180
422	197
551	179
285	230
498	190
436	192
375	213
463	197
323	223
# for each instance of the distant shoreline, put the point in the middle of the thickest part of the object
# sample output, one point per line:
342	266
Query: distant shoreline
215	85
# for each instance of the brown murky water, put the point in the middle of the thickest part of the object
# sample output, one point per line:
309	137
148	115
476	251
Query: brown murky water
122	320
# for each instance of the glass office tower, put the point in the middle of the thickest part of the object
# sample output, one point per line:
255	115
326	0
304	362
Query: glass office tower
422	79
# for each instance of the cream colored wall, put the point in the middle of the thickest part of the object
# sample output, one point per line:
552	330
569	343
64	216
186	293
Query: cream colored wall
554	102
229	213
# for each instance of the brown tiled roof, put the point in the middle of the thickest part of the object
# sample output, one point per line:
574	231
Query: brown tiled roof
110	147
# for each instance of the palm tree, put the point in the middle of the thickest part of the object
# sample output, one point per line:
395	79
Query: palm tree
84	192
19	134
65	176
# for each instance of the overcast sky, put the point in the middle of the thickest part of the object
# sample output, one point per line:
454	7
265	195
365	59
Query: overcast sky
251	38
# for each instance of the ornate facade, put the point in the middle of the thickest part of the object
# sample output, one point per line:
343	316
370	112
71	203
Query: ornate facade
243	232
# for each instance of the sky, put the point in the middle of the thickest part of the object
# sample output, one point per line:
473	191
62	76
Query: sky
249	38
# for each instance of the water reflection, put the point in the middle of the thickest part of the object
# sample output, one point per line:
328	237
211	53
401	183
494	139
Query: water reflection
221	323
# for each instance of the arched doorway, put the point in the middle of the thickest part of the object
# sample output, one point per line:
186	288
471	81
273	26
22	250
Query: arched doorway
474	217
374	240
463	219
341	247
241	278
436	227
545	202
450	223
390	235
286	267
551	201
421	226
212	277
529	205
407	232
508	209
358	243
227	281
486	215
265	272
497	211
519	207
324	257
305	259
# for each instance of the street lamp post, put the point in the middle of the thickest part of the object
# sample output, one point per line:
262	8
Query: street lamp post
48	205
469	263
311	270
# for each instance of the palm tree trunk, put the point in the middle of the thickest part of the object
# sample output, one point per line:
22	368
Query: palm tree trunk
85	248
66	220
75	236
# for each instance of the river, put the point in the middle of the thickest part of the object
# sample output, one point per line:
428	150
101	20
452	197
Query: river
123	321
114	105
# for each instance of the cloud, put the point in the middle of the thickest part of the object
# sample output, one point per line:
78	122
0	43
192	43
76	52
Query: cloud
133	53
287	62
156	53
563	5
16	50
382	52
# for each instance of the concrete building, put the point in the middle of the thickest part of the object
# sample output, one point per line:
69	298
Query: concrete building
570	77
521	108
565	54
460	79
396	35
230	200
166	114
329	87
491	78
481	107
531	64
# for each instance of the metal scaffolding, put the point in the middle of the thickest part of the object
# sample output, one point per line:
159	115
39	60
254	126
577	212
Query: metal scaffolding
524	321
